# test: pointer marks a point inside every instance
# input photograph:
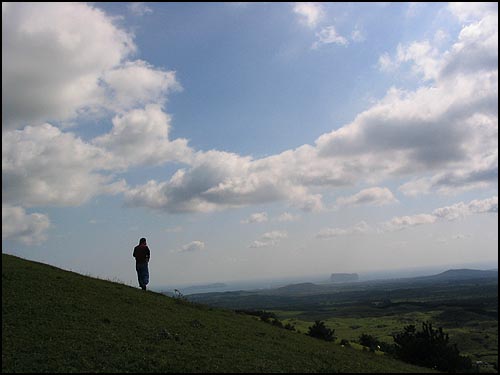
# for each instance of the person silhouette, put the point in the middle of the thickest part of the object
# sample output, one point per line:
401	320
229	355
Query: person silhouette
142	254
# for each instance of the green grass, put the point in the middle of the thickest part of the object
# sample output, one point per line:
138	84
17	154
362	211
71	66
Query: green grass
476	338
59	321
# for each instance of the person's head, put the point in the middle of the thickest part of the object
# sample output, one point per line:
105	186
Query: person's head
142	241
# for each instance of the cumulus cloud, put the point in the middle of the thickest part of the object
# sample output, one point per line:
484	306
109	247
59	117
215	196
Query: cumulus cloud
141	136
476	49
269	239
441	136
446	131
74	61
483	175
259	217
417	131
137	83
44	166
376	196
440	129
17	225
467	12
310	14
328	35
53	58
461	209
62	61
403	222
218	180
453	212
466	124
193	246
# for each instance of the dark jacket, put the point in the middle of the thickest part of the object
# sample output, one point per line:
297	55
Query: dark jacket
141	254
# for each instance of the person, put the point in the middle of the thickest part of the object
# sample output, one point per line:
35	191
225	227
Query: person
142	254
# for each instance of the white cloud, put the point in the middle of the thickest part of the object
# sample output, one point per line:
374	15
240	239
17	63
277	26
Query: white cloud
483	206
376	196
359	228
139	9
358	35
193	246
310	14
269	239
442	136
453	212
147	195
403	222
218	180
422	56
434	129
62	60
328	35
480	175
445	129
440	37
386	63
137	83
53	58
29	229
141	136
476	49
259	217
468	11
286	217
461	210
44	166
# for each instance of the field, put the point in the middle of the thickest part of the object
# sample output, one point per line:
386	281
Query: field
466	309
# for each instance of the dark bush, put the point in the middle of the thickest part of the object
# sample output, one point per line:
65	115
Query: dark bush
429	348
369	341
277	323
345	342
320	331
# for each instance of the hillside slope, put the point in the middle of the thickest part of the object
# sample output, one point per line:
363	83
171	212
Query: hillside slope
58	321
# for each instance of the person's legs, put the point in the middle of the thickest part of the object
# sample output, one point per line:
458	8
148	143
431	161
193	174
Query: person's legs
142	275
145	275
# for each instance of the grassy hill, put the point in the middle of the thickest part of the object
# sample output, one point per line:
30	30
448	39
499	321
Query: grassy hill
59	321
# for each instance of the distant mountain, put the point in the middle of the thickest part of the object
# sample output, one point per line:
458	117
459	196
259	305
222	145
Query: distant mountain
461	274
344	277
241	298
297	289
208	286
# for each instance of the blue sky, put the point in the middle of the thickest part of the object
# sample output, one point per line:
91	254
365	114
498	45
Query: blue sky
250	140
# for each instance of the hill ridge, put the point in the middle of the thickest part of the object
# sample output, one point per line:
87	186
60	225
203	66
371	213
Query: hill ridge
60	321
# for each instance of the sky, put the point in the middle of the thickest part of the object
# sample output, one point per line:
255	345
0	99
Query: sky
249	140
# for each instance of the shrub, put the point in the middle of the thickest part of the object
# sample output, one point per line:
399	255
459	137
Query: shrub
320	331
429	348
369	341
345	342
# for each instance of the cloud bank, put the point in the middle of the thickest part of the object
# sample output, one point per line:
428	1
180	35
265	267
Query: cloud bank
78	63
